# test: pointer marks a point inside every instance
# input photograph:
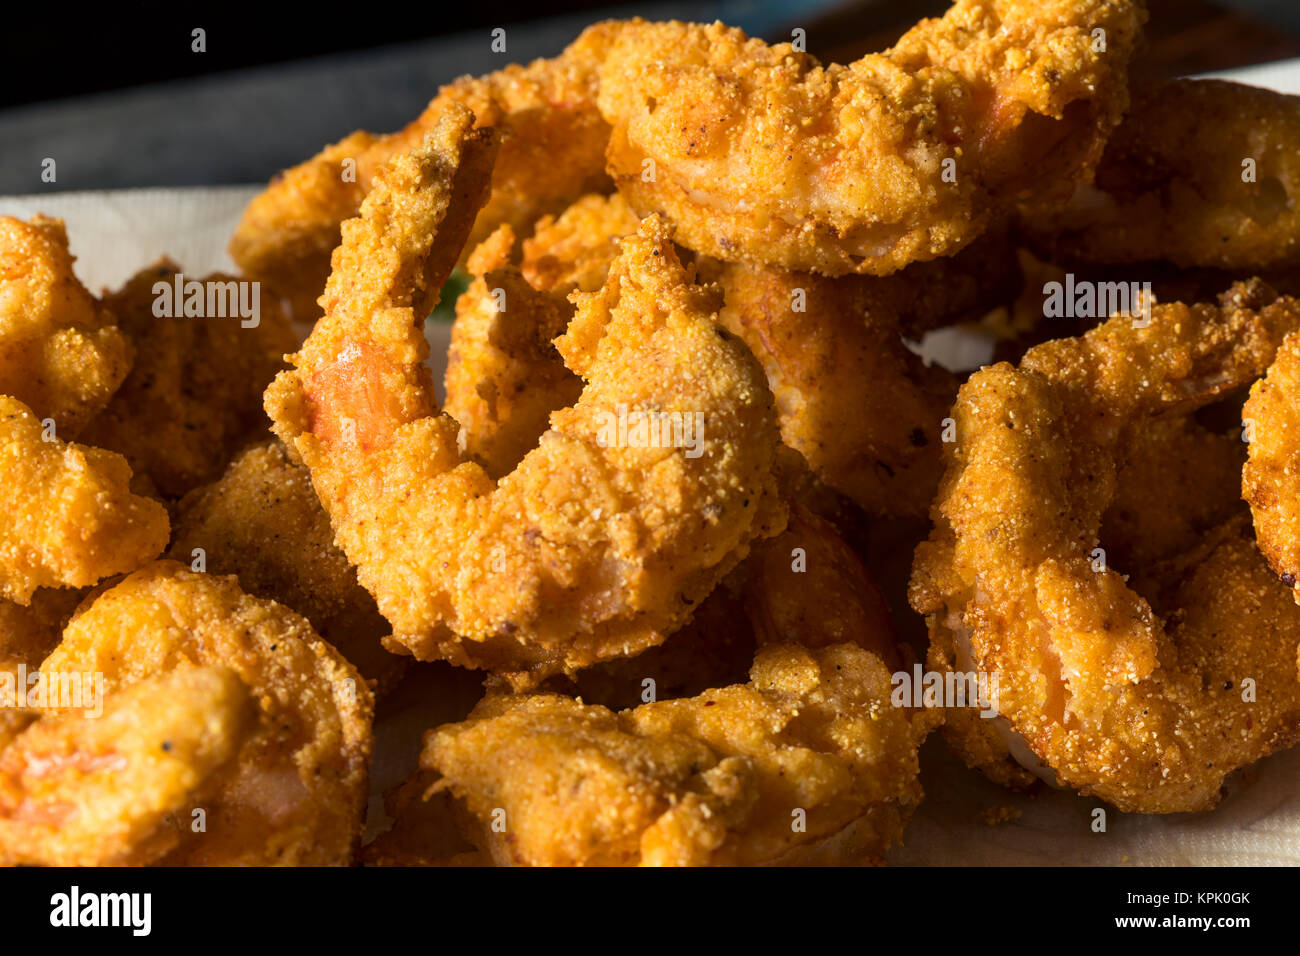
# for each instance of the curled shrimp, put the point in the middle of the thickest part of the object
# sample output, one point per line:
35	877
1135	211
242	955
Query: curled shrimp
600	542
294	789
1136	696
107	789
758	153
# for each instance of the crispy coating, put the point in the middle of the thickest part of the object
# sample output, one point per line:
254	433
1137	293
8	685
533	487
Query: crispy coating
504	376
595	546
805	585
107	790
297	789
261	521
60	352
1173	490
574	249
1148	713
703	775
194	394
901	156
70	518
1270	481
862	408
1172	184
552	151
723	778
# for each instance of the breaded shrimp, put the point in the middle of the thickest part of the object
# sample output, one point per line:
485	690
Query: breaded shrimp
60	352
865	412
70	518
108	790
1097	691
1270	481
807	762
757	153
296	789
194	394
600	542
552	151
261	521
1200	173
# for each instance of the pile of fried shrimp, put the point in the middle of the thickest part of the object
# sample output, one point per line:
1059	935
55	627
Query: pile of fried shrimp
688	508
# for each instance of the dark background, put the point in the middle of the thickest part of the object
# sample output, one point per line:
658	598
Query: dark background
115	94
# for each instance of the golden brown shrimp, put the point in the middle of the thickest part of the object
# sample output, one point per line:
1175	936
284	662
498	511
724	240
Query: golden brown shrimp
863	410
1095	690
60	353
807	762
261	521
194	395
296	789
70	518
552	151
109	789
599	543
901	156
1201	173
1270	481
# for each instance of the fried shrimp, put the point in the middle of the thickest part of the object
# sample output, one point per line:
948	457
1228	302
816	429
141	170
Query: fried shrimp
862	408
1098	690
902	156
572	251
504	376
261	521
1270	481
552	151
70	517
107	790
715	779
715	775
805	585
194	394
601	541
60	352
295	790
1201	173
